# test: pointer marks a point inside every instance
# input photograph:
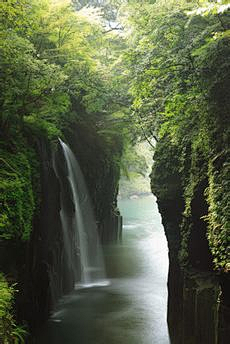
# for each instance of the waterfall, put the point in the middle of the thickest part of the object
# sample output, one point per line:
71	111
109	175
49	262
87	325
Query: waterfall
81	240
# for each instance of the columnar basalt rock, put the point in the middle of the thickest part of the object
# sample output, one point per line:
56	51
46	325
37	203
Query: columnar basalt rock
46	265
198	305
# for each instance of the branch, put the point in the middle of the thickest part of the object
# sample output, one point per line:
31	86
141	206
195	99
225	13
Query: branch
145	135
8	165
116	28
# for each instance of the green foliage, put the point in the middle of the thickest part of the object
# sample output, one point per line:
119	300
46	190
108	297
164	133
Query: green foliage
54	59
133	161
58	67
165	176
10	333
219	213
40	127
179	70
163	66
17	198
61	74
26	81
136	164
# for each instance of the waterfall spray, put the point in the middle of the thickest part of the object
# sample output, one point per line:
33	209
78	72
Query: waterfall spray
81	240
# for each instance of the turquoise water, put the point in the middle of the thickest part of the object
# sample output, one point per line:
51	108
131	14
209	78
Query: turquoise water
132	309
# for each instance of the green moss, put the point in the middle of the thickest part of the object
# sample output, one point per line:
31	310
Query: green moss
17	200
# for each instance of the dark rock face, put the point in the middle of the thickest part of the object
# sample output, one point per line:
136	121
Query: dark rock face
171	215
38	265
200	308
46	280
194	312
198	303
114	223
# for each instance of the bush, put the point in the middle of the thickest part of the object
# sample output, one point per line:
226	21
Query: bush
10	333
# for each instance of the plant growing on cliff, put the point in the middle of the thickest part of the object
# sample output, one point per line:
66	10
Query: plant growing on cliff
17	196
179	71
54	70
10	332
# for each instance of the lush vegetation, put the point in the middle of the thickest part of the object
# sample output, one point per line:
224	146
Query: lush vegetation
137	163
58	68
118	72
60	75
179	65
17	199
9	331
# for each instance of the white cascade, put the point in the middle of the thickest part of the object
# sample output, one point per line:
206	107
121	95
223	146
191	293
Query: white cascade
81	241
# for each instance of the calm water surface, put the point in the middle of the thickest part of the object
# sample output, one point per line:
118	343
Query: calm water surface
132	310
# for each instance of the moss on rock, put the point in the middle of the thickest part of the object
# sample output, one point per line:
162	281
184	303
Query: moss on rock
17	199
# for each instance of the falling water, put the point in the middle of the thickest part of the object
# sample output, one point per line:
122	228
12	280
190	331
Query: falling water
81	240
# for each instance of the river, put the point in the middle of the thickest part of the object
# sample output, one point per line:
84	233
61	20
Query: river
132	309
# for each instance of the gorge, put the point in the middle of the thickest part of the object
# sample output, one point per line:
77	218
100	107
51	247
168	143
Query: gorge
83	85
137	270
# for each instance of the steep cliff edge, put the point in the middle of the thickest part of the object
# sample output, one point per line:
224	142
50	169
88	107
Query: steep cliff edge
198	282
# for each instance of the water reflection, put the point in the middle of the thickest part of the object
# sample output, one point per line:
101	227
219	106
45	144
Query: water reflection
132	310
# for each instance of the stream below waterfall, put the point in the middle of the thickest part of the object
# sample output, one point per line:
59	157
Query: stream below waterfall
132	309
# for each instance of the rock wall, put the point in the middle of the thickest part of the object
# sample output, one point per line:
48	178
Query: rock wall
198	303
46	274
